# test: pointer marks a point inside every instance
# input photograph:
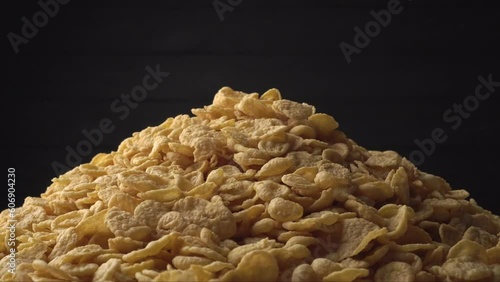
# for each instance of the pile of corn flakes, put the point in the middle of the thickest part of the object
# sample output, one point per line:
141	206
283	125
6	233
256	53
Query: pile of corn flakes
252	188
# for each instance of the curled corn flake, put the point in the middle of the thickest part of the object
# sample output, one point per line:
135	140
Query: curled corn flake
383	159
323	266
400	185
274	167
395	271
355	236
202	251
324	124
273	148
253	107
106	271
122	223
245	271
467	248
315	221
50	272
449	234
124	202
377	190
268	190
272	94
202	213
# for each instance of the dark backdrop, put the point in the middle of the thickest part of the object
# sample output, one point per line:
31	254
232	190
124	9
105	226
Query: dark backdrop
394	91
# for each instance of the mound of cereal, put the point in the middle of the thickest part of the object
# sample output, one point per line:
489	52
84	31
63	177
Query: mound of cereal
252	188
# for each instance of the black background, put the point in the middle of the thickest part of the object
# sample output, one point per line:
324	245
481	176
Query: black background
395	91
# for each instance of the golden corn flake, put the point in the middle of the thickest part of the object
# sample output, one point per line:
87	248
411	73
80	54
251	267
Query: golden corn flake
398	224
293	110
267	190
106	271
253	107
346	274
414	235
184	262
467	270
152	248
304	273
123	223
468	249
356	234
123	201
481	237
272	94
332	175
316	221
424	276
149	212
395	271
304	131
124	244
449	234
399	183
174	275
376	255
263	226
250	188
202	213
275	166
273	147
66	241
